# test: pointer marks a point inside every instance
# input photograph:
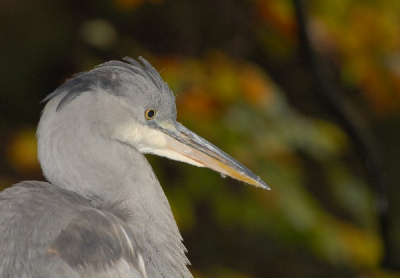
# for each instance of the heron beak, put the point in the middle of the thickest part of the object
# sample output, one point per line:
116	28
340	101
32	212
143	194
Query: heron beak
194	148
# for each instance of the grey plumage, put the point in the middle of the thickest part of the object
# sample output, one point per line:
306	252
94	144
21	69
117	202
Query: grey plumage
110	76
64	237
103	212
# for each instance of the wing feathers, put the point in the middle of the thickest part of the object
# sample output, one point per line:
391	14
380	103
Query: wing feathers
99	241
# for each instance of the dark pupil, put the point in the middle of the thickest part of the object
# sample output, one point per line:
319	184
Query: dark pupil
150	113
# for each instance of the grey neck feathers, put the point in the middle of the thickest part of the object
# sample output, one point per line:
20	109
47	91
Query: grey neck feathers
73	158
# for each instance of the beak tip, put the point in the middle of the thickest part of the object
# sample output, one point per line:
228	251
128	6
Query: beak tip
263	185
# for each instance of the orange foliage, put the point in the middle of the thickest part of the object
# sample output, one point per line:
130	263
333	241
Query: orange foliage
197	101
254	86
365	40
210	86
377	92
279	15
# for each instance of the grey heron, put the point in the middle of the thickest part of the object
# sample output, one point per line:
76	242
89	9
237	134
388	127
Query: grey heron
102	212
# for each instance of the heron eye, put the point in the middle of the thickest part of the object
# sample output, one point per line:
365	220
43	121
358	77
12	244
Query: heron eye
150	114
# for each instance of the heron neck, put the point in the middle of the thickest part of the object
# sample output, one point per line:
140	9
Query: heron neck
114	173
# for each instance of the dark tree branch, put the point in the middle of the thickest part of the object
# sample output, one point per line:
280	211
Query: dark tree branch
351	122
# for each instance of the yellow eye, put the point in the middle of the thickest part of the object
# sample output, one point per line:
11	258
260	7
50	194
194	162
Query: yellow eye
150	114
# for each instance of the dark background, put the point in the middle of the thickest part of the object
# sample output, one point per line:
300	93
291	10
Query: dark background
305	93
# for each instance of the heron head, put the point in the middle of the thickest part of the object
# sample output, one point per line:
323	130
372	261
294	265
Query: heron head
132	105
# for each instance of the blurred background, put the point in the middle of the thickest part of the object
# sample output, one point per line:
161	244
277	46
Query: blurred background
304	93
